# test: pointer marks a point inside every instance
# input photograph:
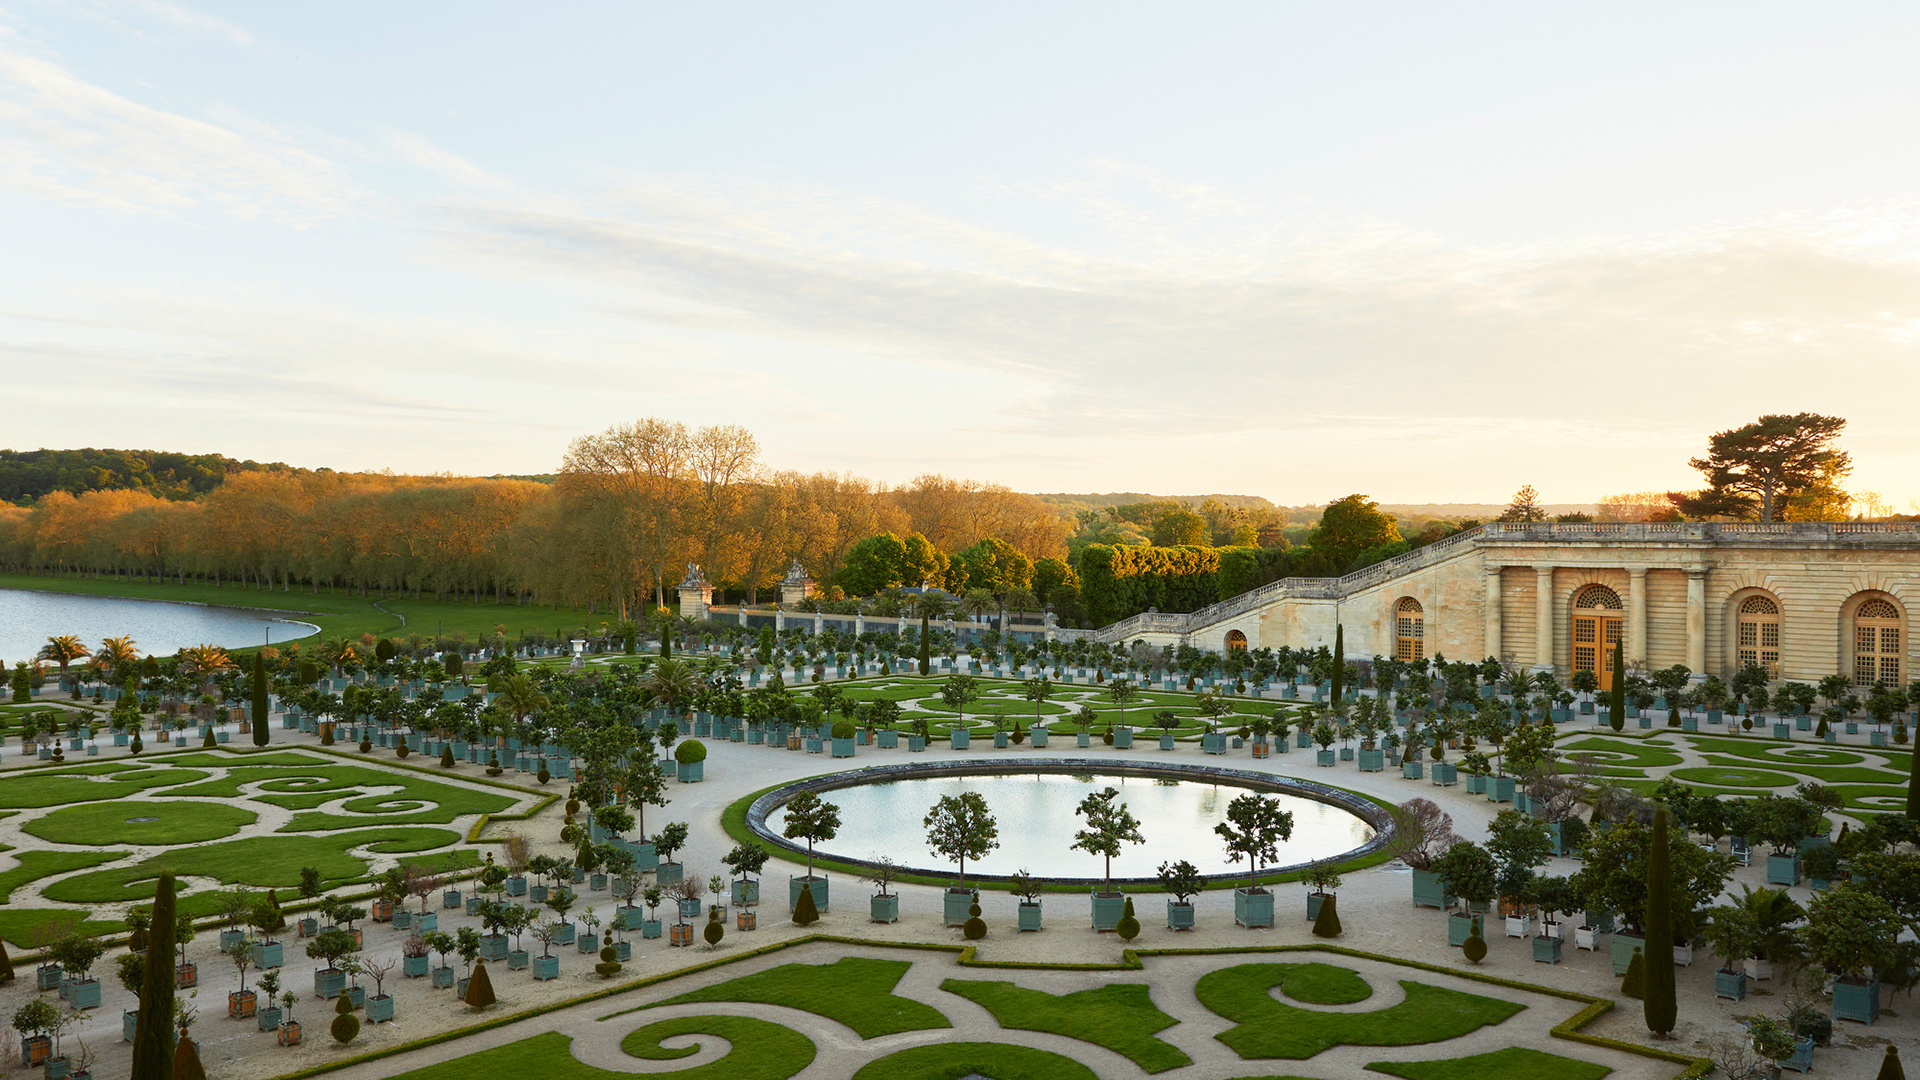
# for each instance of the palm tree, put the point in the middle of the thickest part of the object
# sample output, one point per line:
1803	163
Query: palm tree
63	650
672	683
338	652
205	661
115	651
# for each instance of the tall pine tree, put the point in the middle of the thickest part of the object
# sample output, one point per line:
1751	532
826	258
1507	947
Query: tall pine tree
1659	1005
151	1058
259	700
1617	696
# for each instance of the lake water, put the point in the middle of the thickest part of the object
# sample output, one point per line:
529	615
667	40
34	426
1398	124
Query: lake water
28	618
1036	819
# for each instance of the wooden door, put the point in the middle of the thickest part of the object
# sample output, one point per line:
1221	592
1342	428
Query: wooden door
1594	635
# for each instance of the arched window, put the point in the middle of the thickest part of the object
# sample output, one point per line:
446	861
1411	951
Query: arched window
1597	596
1876	643
1409	630
1236	641
1759	632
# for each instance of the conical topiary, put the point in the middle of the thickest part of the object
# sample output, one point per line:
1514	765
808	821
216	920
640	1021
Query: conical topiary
805	911
1634	985
186	1059
279	921
1474	948
346	1026
480	987
446	757
326	736
1327	923
1128	927
207	741
1890	1068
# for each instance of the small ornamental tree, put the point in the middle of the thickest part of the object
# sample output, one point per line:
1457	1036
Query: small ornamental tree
1109	824
811	818
1182	879
1254	830
960	827
746	859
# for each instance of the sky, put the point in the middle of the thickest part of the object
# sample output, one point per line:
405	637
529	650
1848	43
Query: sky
1426	252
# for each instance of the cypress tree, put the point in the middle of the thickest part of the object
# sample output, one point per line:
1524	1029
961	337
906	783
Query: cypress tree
1617	696
6	964
259	700
151	1061
1339	661
1890	1068
1660	1006
1327	923
480	987
926	647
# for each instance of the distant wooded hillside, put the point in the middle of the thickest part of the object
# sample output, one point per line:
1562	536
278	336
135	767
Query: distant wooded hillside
26	475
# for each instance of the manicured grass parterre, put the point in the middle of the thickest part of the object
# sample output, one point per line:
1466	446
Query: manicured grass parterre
1624	757
954	1061
1512	1063
34	865
855	991
260	862
141	821
761	1050
1119	1016
38	788
1270	1029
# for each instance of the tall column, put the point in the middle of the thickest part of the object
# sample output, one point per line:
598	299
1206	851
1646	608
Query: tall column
1697	621
1543	617
1493	631
1636	645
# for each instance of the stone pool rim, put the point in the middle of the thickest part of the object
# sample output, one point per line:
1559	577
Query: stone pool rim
1375	815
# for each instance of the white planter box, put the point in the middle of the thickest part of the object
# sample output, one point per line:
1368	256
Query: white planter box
1554	930
1683	955
1758	969
1586	937
1518	925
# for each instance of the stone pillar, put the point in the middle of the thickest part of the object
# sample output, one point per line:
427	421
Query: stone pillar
1543	618
816	624
779	618
1493	630
859	624
1697	621
696	593
1636	645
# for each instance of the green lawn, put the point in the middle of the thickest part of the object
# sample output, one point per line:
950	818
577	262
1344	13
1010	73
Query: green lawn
1624	757
1324	984
1271	1029
953	1061
35	865
119	822
18	924
761	1051
37	788
419	800
261	862
854	991
1119	1016
1513	1063
1728	773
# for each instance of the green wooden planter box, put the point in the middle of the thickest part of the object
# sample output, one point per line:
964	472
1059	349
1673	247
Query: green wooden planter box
1039	737
1500	789
959	738
1461	926
1372	760
1430	891
1445	773
1107	909
817	885
1166	742
1029	915
956	901
1783	731
1253	909
269	954
1783	870
690	772
1179	916
1324	759
546	967
1546	950
884	909
1123	738
746	893
1413	770
1213	743
1346	753
1624	946
1476	785
1730	984
1315	901
1853	1000
843	748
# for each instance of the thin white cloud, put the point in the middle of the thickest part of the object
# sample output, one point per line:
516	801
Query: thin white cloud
72	142
417	150
198	21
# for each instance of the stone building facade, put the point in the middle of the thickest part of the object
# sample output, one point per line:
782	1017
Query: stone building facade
1806	599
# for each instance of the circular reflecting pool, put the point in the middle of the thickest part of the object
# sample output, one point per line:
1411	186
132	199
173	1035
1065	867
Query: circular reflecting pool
1036	819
